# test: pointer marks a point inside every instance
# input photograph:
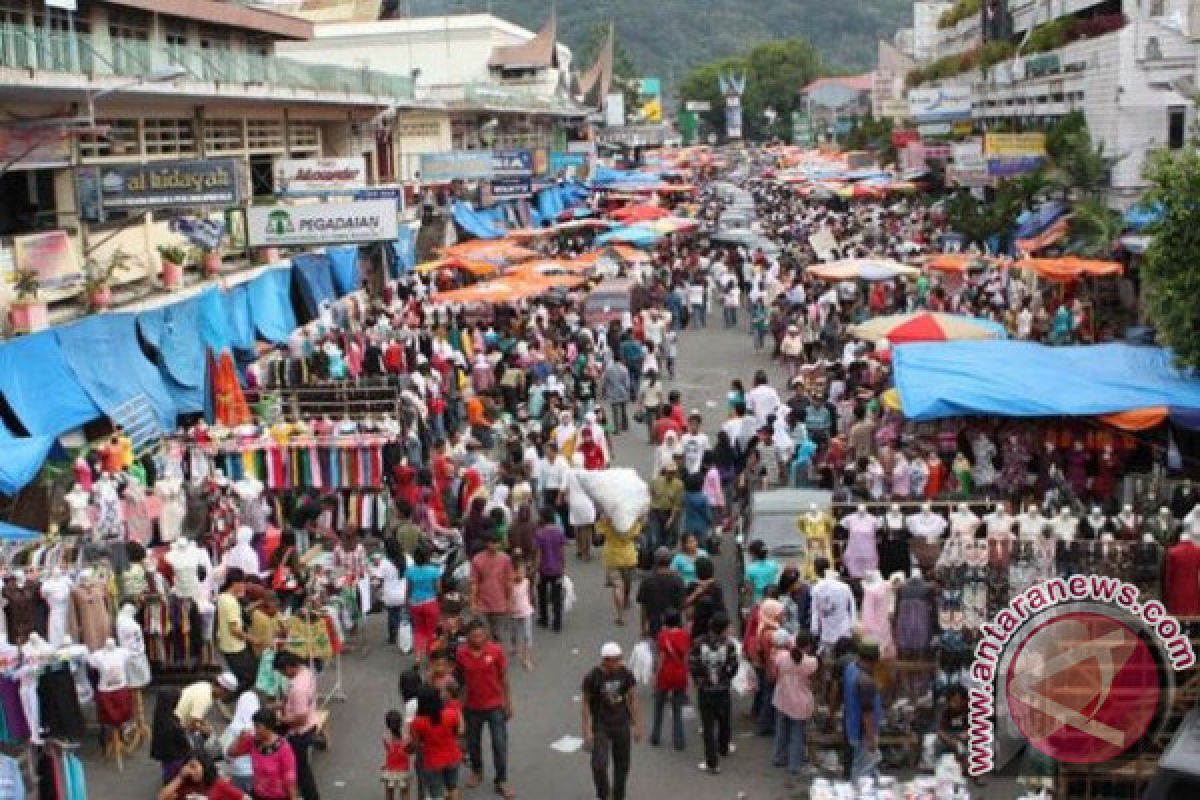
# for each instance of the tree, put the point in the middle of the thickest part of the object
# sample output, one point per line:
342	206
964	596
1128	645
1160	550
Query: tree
982	220
775	73
626	76
1095	227
1081	166
1170	280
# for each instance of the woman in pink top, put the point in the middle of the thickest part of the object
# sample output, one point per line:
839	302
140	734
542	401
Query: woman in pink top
793	701
272	758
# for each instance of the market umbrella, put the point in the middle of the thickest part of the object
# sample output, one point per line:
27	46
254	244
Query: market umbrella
867	269
640	213
668	225
926	326
494	250
480	293
479	269
635	235
1069	268
958	262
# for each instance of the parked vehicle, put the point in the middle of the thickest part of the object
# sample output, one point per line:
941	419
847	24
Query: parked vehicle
771	516
608	301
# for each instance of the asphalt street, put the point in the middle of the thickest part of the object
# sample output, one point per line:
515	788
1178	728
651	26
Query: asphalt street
546	700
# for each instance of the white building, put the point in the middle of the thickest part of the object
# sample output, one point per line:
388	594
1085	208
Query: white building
926	14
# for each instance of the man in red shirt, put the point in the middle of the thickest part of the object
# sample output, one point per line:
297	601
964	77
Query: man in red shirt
486	699
491	586
671	680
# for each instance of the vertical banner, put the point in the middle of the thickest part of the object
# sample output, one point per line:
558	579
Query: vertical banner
732	87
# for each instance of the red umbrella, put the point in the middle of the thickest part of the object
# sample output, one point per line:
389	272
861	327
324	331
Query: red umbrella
640	213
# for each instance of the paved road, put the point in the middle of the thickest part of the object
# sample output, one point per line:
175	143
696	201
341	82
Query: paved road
547	701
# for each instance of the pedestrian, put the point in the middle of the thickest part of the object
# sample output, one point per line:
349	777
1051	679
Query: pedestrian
697	514
299	716
659	593
390	574
615	387
487	701
276	775
620	562
551	545
697	302
434	736
241	769
231	639
666	505
521	612
199	779
611	718
491	587
762	571
713	661
684	562
794	702
673	644
422	600
169	744
862	712
731	300
706	598
396	761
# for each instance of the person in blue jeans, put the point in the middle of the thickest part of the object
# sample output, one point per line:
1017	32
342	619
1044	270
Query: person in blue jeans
862	710
794	702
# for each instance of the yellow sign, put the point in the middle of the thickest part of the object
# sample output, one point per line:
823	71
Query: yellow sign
1014	144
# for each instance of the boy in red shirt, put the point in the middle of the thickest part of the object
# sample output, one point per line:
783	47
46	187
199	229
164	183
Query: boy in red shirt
671	676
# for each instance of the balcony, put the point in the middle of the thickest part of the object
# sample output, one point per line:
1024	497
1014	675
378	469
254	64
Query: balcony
81	54
484	96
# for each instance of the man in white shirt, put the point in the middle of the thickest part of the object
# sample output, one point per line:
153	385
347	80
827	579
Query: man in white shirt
1025	323
696	302
762	401
733	298
693	444
551	476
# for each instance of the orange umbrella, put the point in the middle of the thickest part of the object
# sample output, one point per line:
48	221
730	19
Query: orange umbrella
1046	238
479	269
550	266
1069	268
957	262
639	213
1136	419
489	292
490	250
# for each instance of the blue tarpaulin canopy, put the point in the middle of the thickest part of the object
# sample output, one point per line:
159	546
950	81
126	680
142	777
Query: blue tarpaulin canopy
1140	216
480	224
104	354
241	325
1021	379
15	533
404	251
1031	223
633	234
343	263
607	176
271	305
174	331
20	460
314	280
40	387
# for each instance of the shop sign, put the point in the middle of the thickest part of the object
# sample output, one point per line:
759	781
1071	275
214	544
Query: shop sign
1009	166
697	105
210	182
393	193
962	128
934	129
894	108
50	255
456	165
512	188
510	163
971	178
940	105
1014	144
902	136
309	176
322	223
562	162
968	156
941	152
30	148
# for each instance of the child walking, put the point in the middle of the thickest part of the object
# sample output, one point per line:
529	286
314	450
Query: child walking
522	615
396	761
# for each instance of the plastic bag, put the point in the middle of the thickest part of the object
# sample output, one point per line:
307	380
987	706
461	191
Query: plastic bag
404	637
745	682
568	590
641	663
620	493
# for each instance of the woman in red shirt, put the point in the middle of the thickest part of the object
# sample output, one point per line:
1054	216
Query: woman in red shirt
434	733
199	778
671	679
590	449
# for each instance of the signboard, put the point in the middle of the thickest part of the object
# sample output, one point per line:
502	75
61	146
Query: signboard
541	161
456	165
938	151
1008	166
968	156
564	162
512	188
697	105
48	254
802	130
614	110
321	223
934	129
971	178
34	147
393	193
902	136
944	104
163	184
894	108
962	128
1014	144
308	176
507	163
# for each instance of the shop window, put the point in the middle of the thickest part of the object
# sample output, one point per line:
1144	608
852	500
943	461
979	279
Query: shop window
223	136
304	137
264	135
170	137
129	34
120	139
1176	127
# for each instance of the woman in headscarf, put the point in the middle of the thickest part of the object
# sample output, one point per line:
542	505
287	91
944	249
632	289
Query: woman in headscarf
169	744
770	623
667	451
591	451
565	434
476	527
472	487
581	512
591	422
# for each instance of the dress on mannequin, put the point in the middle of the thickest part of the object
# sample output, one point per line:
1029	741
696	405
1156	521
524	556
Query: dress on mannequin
93	612
114	700
130	638
1181	579
184	558
861	554
894	555
914	616
138	525
926	528
21	613
108	509
878	599
79	505
56	591
174	508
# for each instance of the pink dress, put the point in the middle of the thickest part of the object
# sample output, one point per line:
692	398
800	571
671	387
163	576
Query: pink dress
876	624
862	554
712	488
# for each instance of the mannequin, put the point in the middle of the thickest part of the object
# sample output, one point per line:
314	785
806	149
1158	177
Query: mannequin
174	508
915	615
1032	524
1065	525
129	637
184	558
20	613
1000	537
878	600
108	509
1095	524
926	528
834	610
1163	526
243	555
78	502
35	653
963	521
56	591
114	698
861	554
92	610
817	526
1128	524
894	555
1181	577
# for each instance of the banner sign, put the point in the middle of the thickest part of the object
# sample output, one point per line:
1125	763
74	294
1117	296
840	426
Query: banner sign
697	105
560	161
34	147
512	163
206	233
1008	166
50	255
456	165
393	193
934	129
512	188
321	223
902	136
301	176
940	105
163	184
1014	144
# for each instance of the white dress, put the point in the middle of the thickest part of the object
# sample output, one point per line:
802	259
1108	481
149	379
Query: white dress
129	637
78	502
174	508
56	591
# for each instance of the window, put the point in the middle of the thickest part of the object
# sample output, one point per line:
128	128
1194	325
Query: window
130	35
222	135
175	34
121	139
1176	127
264	135
170	137
304	136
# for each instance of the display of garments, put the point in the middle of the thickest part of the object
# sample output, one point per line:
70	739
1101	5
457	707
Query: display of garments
1128	526
894	555
114	707
1032	526
1093	527
1146	563
108	510
110	666
15	725
173	508
1000	546
56	591
93	613
21	611
964	523
185	563
984	468
1181	579
138	525
861	554
1163	528
818	529
58	702
914	616
833	611
79	509
876	616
